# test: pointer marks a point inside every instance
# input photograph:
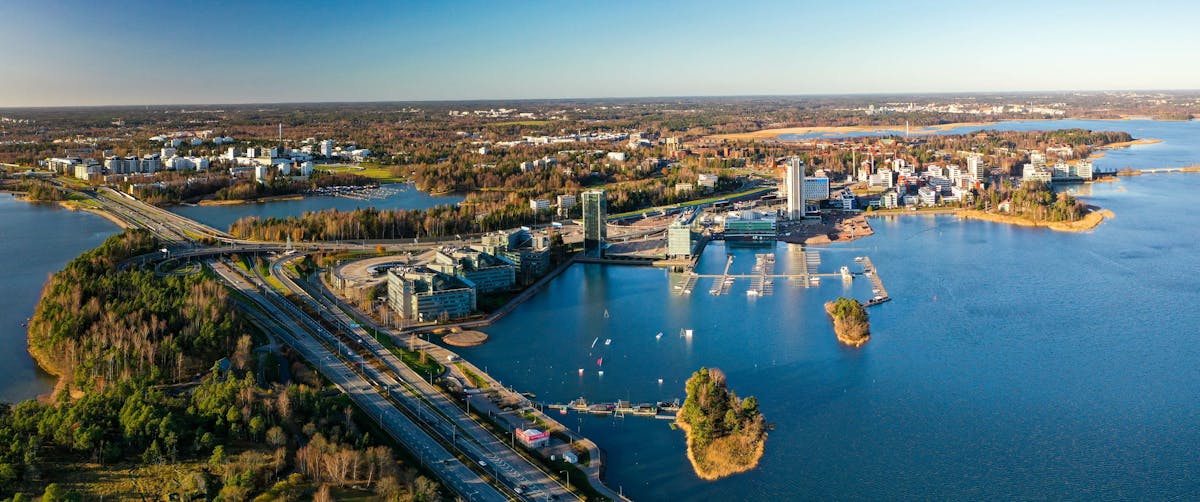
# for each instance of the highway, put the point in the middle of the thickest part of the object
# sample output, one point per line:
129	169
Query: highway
416	413
440	353
476	441
454	473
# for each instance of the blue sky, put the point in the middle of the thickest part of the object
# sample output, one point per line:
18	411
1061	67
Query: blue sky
149	52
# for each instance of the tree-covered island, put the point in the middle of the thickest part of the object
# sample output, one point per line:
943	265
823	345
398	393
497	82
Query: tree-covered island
850	321
725	434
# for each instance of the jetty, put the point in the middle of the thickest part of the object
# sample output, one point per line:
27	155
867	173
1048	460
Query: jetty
764	265
726	281
881	294
801	271
665	410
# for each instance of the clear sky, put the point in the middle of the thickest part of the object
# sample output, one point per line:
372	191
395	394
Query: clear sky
85	52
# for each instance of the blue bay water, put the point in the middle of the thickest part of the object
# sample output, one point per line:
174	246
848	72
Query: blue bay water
1012	363
36	240
220	217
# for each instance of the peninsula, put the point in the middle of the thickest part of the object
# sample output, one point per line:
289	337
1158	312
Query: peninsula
725	434
850	321
776	133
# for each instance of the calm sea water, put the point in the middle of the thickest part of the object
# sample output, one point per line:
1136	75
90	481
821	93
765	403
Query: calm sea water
220	217
36	240
1012	363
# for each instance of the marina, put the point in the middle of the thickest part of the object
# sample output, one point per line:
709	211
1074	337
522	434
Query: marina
801	271
361	193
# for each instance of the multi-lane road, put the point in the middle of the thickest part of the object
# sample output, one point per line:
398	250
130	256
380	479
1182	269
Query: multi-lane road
465	455
271	315
477	442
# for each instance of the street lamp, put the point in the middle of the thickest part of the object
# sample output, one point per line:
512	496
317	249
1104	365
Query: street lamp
568	474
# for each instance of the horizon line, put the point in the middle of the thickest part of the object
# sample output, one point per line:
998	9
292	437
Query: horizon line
600	98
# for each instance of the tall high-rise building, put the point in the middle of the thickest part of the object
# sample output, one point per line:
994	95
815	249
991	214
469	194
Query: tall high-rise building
679	238
794	184
595	217
976	168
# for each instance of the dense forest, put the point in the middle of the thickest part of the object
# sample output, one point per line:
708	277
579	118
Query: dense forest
1034	200
39	191
96	325
145	411
725	434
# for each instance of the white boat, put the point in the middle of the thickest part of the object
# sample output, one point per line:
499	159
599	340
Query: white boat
601	372
608	341
751	292
581	371
660	381
687	333
658	336
594	342
606	313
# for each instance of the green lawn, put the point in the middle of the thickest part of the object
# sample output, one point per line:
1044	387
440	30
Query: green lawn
476	380
379	172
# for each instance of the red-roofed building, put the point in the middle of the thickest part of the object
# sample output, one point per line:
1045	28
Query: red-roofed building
533	438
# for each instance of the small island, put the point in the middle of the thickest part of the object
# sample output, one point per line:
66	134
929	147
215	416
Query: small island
850	321
725	434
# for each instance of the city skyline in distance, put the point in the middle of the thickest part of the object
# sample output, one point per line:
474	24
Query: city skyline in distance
134	52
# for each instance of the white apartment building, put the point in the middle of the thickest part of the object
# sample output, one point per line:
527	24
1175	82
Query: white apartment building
794	186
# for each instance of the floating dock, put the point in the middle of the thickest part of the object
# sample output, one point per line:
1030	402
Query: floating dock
662	409
801	271
722	286
762	285
881	294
